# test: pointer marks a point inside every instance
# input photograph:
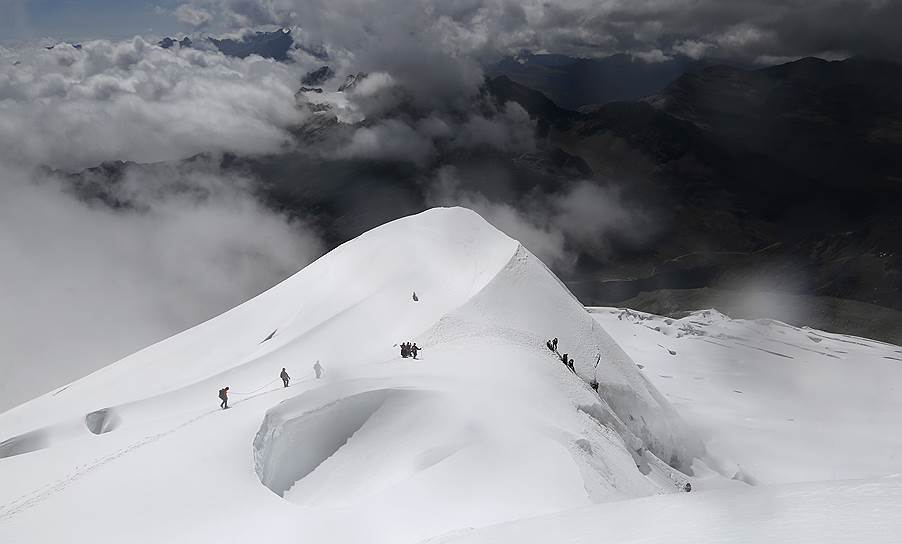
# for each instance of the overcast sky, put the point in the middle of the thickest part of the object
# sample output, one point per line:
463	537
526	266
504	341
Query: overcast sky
762	30
84	19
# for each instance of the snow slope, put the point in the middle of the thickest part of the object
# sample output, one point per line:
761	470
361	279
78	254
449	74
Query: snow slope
487	427
774	403
786	434
812	419
812	513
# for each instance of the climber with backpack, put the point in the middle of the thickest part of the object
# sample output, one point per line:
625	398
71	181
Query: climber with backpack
224	395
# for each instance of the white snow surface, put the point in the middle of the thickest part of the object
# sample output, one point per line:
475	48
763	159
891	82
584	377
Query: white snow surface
774	403
837	512
786	434
812	419
486	427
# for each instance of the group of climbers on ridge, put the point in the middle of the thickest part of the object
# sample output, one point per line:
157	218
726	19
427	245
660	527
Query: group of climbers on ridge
409	350
552	345
569	363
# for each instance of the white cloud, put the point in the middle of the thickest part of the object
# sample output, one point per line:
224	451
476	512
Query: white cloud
545	241
694	49
582	217
652	56
193	15
85	283
412	36
510	130
741	36
589	214
132	100
388	140
390	125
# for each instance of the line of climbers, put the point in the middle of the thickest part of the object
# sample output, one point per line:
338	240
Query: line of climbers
224	392
568	362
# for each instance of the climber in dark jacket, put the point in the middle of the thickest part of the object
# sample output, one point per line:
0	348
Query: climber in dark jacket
224	395
414	349
285	377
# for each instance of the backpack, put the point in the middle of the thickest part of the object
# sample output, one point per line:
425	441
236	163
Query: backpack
222	394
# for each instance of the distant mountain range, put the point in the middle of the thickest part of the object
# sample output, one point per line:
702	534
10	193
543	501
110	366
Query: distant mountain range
791	173
272	45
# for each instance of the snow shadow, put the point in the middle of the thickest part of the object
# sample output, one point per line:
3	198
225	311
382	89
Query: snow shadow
633	444
25	443
102	421
287	449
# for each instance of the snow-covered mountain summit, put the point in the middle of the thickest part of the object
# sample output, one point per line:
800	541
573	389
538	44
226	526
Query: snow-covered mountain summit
487	426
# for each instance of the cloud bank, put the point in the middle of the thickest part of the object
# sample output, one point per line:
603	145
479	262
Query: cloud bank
169	245
583	217
76	107
402	36
193	16
91	273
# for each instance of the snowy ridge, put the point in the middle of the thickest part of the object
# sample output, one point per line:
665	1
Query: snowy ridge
487	427
626	399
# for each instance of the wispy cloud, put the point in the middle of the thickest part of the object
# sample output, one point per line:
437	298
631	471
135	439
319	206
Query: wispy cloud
581	218
100	265
414	31
193	16
85	284
132	100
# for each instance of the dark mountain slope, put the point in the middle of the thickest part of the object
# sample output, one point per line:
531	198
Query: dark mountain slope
574	82
790	176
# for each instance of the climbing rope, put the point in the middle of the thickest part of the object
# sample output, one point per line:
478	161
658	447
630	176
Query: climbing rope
262	387
304	377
